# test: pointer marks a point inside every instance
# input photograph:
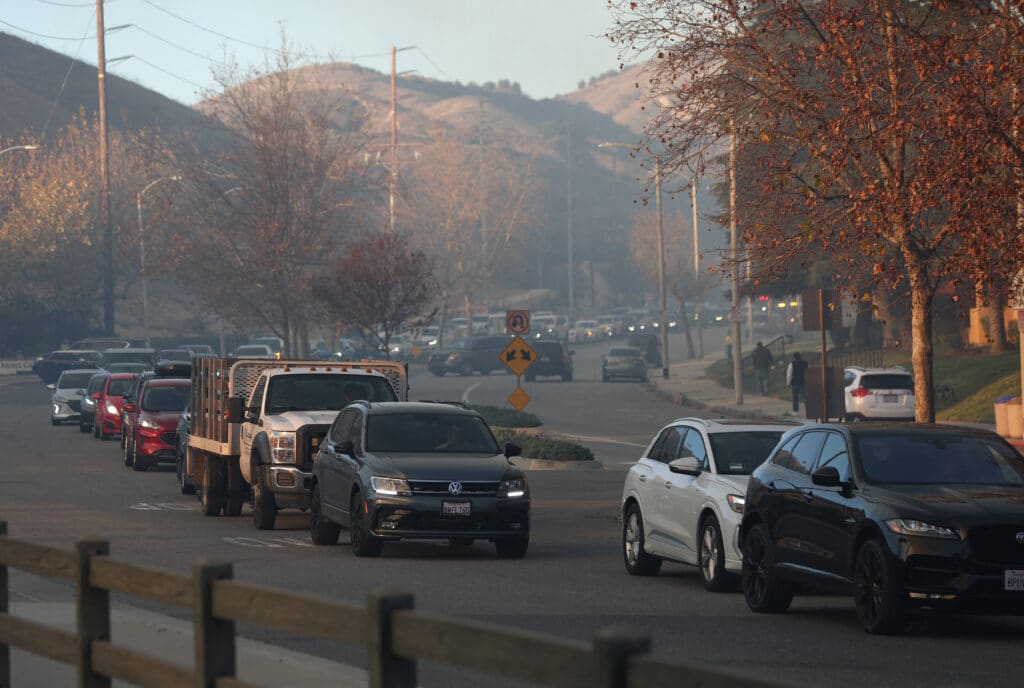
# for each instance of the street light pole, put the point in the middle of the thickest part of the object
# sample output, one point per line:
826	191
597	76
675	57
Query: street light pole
734	253
394	133
142	254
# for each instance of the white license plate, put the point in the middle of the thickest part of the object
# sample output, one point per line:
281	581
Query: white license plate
889	398
456	508
1013	579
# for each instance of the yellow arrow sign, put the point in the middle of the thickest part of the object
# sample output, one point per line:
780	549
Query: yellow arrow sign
518	355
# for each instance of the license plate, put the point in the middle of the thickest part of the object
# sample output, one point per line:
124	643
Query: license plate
456	508
1013	579
889	398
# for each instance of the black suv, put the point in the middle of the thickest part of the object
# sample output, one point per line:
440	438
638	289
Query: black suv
553	358
898	516
50	366
395	470
469	355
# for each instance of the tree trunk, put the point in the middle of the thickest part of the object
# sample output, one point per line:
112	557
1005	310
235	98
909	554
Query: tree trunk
996	325
922	293
686	329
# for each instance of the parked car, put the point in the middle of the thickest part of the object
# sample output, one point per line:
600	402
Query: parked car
68	391
254	351
389	471
87	416
50	366
623	362
899	516
144	355
185	484
469	355
152	437
683	500
878	393
107	422
554	358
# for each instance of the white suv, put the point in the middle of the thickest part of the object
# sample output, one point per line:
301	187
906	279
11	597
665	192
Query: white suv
683	500
878	393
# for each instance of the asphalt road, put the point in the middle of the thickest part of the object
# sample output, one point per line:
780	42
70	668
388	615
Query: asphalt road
58	485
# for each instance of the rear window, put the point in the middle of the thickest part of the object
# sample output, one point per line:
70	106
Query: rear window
117	388
75	380
939	458
143	357
162	399
887	381
324	392
625	352
739	453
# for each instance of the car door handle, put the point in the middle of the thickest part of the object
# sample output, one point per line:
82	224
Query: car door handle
668	484
643	478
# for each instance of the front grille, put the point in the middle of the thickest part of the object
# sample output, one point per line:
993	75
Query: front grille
307	444
997	544
403	520
170	438
75	405
440	487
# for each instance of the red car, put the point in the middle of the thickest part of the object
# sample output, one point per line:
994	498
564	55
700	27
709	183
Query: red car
152	436
107	416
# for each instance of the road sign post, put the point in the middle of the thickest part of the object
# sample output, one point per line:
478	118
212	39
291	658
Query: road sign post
518	356
517	322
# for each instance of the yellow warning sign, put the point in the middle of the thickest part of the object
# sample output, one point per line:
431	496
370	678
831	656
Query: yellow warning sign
519	399
518	355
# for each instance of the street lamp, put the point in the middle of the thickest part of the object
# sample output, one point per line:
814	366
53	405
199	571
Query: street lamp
27	146
142	253
663	323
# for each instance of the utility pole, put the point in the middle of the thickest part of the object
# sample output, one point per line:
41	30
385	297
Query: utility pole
737	353
568	167
661	269
699	306
394	138
105	224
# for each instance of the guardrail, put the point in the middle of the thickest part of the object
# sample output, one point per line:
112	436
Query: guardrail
394	634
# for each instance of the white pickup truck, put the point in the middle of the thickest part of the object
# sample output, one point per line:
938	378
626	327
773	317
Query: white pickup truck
256	426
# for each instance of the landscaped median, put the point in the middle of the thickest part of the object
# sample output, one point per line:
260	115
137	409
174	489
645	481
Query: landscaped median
539	450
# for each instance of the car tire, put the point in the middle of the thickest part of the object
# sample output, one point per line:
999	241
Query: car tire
466	369
209	504
877	591
127	455
364	544
762	589
567	377
513	547
139	465
83	428
184	486
711	557
438	373
638	562
264	506
321	531
96	431
54	421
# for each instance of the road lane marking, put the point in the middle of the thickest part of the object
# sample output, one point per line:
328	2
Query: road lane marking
469	390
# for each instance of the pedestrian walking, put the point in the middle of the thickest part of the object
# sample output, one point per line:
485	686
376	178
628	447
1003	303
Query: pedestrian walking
761	357
796	379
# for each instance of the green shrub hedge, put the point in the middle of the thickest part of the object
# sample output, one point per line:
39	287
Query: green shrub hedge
505	417
541	447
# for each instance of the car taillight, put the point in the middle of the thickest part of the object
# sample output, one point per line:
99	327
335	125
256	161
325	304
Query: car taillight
860	392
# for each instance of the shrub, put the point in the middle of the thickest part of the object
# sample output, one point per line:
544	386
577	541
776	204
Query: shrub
501	416
541	447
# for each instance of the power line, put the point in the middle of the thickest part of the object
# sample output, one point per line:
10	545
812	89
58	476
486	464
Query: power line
173	44
67	74
71	4
43	35
170	74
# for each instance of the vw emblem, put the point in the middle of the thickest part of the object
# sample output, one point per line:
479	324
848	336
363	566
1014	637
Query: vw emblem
1020	538
455	488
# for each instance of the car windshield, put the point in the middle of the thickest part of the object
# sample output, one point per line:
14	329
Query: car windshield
75	380
157	399
429	433
117	388
938	458
739	453
324	392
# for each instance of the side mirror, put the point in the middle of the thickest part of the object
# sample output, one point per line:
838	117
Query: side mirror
51	386
236	410
128	407
347	448
826	476
688	465
512	449
96	396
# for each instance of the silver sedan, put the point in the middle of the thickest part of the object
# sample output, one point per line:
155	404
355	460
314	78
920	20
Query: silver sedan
624	362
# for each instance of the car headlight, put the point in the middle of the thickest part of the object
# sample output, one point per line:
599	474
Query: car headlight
112	410
390	486
148	423
56	407
909	526
282	446
736	502
515	487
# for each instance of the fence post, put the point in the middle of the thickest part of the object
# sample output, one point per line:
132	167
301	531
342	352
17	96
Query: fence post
5	650
386	669
93	611
612	649
214	638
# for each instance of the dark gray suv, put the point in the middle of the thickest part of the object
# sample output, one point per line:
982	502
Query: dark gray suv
469	355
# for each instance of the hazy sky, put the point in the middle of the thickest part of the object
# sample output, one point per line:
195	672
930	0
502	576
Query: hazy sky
547	46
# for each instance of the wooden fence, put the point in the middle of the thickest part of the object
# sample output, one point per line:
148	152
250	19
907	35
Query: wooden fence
393	633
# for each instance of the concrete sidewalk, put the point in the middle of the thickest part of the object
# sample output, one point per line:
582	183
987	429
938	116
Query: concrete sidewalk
171	639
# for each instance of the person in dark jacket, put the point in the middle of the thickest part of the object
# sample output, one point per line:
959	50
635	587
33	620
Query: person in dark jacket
761	357
796	379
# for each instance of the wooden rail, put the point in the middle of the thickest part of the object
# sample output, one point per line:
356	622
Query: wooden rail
393	633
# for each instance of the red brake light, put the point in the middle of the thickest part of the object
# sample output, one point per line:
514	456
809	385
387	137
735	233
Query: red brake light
860	392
